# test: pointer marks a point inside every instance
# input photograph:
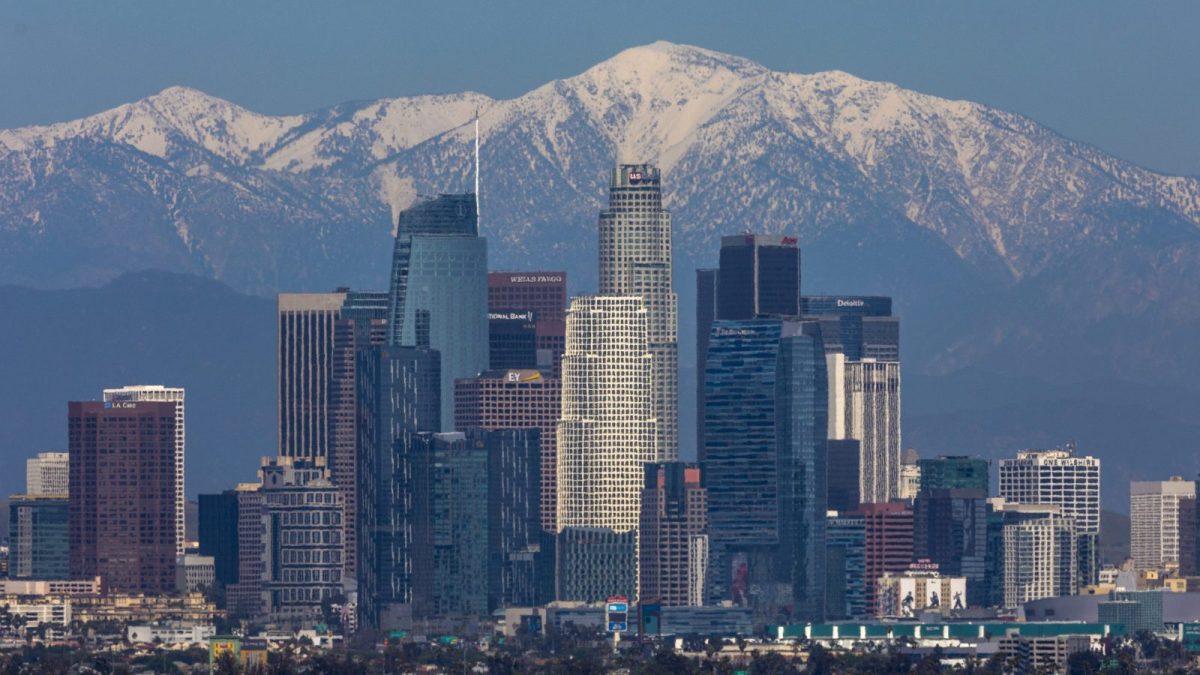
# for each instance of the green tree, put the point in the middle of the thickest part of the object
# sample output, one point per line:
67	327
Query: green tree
226	664
1085	662
771	663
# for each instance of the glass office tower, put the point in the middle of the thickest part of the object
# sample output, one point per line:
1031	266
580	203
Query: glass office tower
439	289
765	453
801	420
760	276
397	398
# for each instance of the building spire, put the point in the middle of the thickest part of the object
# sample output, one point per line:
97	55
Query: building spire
476	166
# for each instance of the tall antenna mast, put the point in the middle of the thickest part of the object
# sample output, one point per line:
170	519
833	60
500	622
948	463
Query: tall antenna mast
476	166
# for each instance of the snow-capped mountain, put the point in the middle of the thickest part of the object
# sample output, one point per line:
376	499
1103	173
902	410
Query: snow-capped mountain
1023	242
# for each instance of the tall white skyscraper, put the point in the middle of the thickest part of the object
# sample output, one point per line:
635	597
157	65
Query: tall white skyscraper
635	260
1154	520
607	433
47	474
869	411
1055	477
1061	478
157	392
607	430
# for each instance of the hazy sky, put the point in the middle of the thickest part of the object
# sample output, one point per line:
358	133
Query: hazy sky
1123	76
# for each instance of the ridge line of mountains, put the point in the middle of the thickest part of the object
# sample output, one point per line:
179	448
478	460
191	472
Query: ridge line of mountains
1026	266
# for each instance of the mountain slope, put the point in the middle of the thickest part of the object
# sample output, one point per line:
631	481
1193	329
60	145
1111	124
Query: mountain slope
1005	244
141	328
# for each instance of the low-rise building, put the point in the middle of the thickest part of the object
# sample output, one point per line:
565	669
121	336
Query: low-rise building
64	587
197	573
191	608
46	611
170	634
920	589
1044	654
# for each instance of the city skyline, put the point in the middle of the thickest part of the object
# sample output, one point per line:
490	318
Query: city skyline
685	351
923	314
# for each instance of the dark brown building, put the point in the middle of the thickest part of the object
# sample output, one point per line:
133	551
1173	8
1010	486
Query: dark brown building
516	399
673	528
544	294
122	494
887	542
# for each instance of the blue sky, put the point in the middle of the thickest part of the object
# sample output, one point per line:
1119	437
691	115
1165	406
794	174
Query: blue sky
1123	76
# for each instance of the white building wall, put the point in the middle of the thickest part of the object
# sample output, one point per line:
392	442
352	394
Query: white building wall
607	431
1154	521
48	473
1055	477
872	416
635	260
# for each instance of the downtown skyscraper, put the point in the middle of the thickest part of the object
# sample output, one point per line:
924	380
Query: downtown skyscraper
306	325
439	289
635	260
122	498
758	278
174	396
1154	521
1060	477
862	346
765	459
606	435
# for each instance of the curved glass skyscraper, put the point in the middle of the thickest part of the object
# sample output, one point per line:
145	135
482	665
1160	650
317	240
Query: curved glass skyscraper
439	295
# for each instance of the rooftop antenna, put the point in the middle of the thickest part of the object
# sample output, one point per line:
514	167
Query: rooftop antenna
477	166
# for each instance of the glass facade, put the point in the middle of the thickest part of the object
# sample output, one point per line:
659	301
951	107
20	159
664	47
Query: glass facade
439	289
398	397
706	313
759	277
765	461
860	327
801	428
842	471
950	528
39	540
739	441
966	473
218	515
845	571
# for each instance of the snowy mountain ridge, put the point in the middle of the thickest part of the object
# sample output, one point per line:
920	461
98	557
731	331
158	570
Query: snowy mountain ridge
889	190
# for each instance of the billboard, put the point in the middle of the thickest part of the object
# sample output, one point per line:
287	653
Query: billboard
617	614
739	579
906	596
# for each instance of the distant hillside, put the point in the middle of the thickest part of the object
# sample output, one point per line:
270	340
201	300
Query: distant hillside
145	327
1006	245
